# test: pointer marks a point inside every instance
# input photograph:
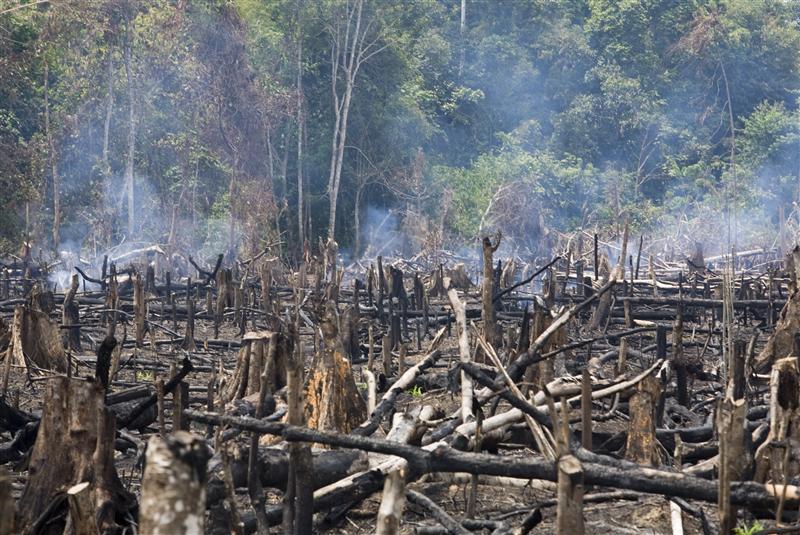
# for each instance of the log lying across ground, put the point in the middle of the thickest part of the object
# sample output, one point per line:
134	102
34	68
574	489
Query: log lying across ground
598	470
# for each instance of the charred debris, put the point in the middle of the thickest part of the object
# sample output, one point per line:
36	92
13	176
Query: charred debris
431	394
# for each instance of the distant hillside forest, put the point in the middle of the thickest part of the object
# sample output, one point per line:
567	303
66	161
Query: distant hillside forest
224	126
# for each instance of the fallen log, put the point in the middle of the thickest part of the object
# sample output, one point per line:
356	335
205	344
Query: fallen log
598	470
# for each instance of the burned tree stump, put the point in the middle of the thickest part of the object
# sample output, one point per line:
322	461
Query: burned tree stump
642	446
75	444
139	310
250	362
332	398
784	420
6	504
781	342
174	485
490	331
70	317
35	338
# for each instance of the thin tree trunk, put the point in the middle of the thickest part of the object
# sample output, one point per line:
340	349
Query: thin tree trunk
52	157
732	126
357	222
300	125
109	107
131	130
351	64
461	29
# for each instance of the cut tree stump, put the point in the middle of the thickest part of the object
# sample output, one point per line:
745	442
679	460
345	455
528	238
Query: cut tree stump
35	338
6	504
333	402
570	496
75	444
642	446
784	420
780	344
174	486
250	362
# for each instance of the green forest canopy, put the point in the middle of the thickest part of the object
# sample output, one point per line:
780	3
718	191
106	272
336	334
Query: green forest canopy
218	125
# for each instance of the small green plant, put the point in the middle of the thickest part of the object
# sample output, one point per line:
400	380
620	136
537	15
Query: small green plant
416	391
145	376
749	529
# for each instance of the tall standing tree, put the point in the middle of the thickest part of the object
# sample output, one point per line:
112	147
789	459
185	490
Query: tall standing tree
356	36
129	158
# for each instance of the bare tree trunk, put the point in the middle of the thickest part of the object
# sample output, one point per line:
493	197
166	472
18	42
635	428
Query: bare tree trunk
109	107
51	153
131	127
337	177
348	53
357	221
300	125
461	29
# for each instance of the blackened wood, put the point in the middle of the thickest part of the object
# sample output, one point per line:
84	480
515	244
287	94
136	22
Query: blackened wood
103	365
586	410
599	470
186	368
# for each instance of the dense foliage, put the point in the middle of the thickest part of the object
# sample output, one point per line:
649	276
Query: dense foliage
226	125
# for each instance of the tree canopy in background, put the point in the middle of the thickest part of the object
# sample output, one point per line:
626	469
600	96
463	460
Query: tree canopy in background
227	125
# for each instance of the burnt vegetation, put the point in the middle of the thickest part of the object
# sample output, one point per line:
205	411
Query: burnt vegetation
361	266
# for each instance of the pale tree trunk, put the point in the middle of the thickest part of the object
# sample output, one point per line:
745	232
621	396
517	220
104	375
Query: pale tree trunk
357	221
461	29
337	177
349	51
131	129
109	108
300	125
51	150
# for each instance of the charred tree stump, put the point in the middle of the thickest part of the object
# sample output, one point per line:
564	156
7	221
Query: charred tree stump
381	288
642	446
75	444
188	338
733	457
6	504
139	310
333	400
490	331
784	420
174	486
569	514
70	317
35	339
250	363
